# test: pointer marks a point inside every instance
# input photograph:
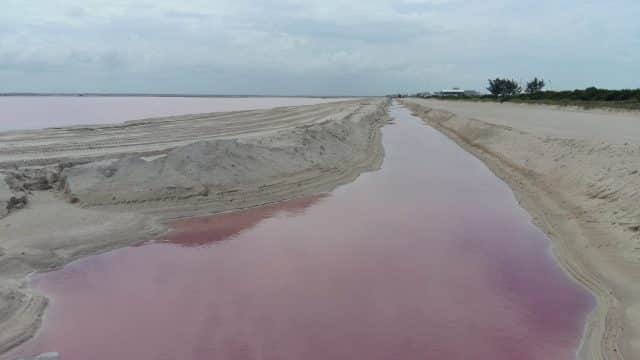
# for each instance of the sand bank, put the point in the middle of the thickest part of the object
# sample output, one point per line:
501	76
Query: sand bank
577	173
83	190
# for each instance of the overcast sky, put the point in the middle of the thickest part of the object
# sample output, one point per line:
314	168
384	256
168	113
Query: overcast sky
366	47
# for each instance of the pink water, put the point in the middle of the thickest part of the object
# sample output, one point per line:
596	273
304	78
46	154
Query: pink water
428	258
35	112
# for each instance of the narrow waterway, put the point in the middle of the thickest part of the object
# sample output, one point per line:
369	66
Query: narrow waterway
428	258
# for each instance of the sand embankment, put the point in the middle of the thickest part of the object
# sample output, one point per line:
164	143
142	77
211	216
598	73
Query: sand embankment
577	173
71	192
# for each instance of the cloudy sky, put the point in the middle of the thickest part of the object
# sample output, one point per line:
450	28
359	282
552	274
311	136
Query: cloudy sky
314	47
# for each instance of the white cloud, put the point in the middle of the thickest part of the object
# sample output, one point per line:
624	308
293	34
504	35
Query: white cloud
377	46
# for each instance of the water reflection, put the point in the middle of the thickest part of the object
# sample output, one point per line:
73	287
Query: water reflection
208	230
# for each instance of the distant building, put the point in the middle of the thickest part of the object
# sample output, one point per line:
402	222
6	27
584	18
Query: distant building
457	92
452	92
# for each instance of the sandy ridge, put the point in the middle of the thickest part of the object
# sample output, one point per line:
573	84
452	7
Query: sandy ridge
83	207
151	136
581	191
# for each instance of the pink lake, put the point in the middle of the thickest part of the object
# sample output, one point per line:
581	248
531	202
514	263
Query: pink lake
36	112
428	258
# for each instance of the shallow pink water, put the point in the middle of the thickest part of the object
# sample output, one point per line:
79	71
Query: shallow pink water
428	258
35	112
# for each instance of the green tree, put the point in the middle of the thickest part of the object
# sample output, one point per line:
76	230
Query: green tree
504	87
495	87
511	88
534	86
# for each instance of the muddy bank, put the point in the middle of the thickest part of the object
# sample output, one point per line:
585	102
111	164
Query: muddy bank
576	172
116	185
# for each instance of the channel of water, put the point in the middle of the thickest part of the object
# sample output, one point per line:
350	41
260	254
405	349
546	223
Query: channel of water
429	257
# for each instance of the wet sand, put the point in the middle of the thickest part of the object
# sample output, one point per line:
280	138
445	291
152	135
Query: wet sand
428	258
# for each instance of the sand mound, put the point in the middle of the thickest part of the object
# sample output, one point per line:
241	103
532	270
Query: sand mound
234	168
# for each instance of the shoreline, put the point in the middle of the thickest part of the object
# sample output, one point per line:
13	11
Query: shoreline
84	218
560	218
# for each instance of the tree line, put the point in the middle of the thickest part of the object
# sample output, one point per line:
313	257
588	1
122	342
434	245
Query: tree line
505	89
508	87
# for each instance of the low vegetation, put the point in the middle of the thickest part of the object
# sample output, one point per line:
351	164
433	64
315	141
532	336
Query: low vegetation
503	90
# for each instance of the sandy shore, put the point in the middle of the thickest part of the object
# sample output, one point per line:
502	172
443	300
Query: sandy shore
77	191
577	173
